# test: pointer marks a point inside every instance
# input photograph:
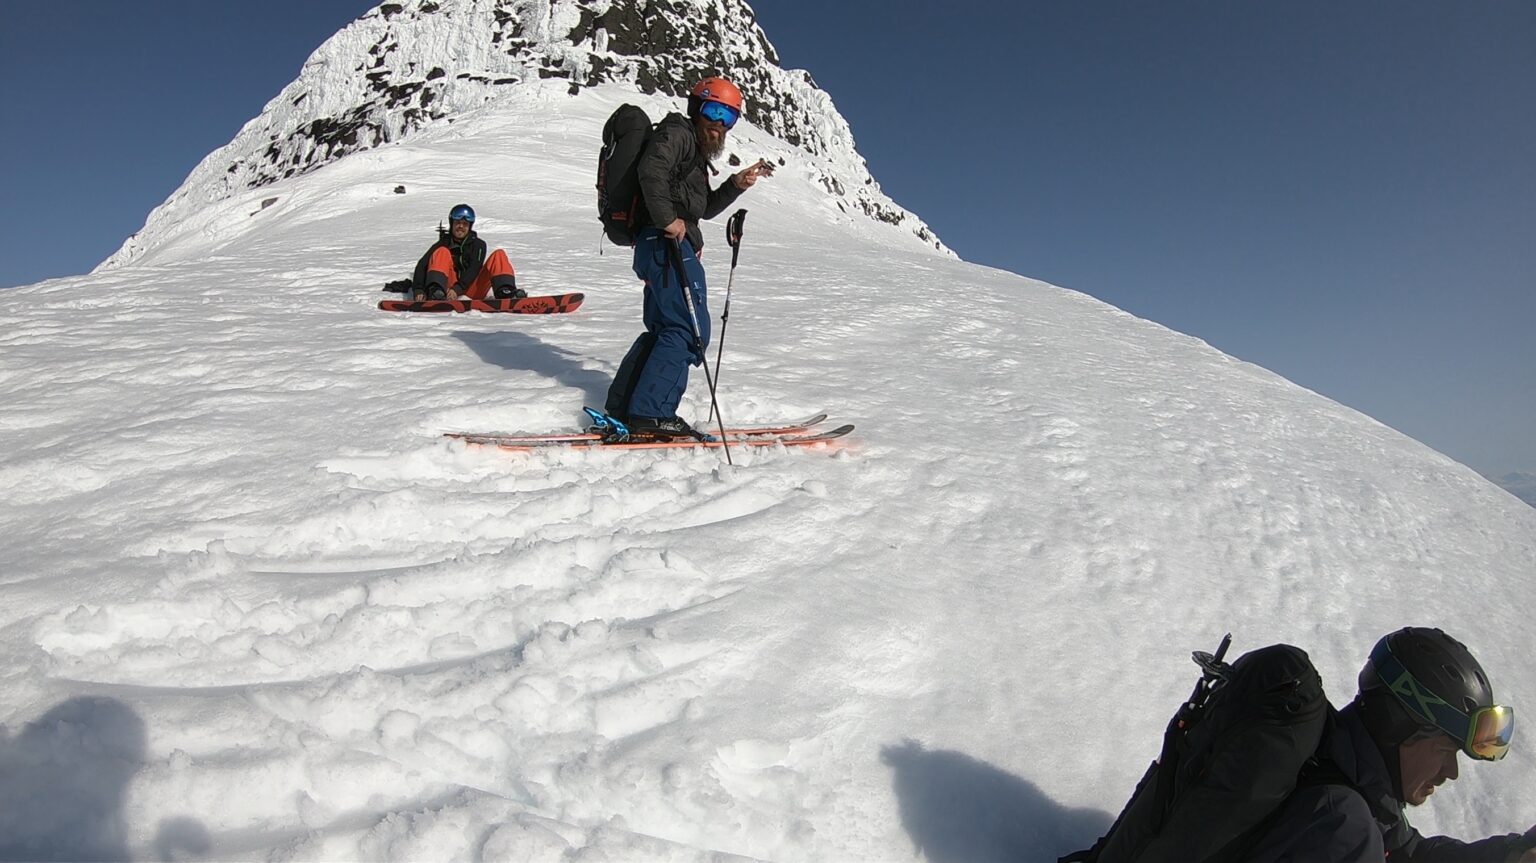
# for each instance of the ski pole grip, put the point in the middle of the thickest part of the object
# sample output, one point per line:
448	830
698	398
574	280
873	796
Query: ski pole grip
733	229
1221	652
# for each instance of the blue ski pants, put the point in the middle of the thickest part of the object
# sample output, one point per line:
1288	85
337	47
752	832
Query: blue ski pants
651	379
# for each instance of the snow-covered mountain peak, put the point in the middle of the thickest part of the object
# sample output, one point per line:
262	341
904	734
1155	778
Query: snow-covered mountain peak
403	67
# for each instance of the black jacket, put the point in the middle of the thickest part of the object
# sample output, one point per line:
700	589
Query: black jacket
674	179
468	258
1347	813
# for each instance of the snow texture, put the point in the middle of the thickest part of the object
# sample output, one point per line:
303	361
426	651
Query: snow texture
256	607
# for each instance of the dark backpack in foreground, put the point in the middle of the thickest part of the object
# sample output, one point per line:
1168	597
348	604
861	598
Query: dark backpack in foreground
618	185
1231	756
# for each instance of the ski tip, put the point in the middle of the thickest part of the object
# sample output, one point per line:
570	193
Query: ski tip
840	431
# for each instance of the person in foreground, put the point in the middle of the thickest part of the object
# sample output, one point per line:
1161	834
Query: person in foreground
1258	766
457	266
1422	700
673	171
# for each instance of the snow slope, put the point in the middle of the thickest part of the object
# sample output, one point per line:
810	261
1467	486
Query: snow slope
256	608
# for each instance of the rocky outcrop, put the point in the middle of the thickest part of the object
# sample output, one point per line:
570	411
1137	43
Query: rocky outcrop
403	66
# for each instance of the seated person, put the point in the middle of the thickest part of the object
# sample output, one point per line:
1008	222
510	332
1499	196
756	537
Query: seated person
456	266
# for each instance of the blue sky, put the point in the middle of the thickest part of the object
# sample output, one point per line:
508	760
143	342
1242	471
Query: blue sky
1342	193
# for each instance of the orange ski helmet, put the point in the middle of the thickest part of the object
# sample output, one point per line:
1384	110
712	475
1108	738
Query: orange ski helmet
714	89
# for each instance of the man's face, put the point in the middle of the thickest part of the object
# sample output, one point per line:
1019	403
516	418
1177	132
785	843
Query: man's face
711	137
460	228
1425	762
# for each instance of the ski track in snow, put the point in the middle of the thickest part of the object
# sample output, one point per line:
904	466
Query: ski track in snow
337	635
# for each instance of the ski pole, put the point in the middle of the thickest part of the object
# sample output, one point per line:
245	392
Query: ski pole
675	248
733	227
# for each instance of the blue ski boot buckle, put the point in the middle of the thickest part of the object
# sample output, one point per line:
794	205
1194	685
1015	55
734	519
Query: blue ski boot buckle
611	428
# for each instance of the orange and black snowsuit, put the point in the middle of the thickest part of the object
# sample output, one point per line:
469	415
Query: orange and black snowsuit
464	268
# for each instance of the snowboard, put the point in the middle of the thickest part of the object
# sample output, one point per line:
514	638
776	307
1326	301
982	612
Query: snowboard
553	304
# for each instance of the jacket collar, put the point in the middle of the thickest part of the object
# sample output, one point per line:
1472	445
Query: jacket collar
1353	750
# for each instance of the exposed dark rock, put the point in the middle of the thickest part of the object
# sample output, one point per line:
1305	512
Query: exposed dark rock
662	47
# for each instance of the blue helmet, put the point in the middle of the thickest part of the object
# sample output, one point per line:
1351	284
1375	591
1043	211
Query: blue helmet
462	211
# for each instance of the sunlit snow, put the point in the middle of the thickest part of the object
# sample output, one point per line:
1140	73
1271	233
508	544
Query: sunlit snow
256	607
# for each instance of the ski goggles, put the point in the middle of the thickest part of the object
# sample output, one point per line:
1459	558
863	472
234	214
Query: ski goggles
1484	734
1490	731
719	112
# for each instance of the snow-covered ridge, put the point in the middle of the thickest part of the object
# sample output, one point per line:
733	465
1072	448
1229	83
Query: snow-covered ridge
1520	484
256	607
405	66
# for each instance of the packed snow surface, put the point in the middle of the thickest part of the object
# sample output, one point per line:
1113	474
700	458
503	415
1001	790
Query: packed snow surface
256	607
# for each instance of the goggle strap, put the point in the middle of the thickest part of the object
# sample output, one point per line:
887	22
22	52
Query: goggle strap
1427	706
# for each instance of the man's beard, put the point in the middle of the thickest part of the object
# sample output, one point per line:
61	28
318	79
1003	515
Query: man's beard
710	149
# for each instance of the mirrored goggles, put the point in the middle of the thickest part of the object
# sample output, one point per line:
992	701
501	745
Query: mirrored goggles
1489	733
718	112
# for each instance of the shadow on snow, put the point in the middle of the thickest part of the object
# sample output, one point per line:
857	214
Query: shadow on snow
960	810
519	351
62	783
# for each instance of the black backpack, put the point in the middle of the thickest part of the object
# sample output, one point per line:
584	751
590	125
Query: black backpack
1231	756
618	186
